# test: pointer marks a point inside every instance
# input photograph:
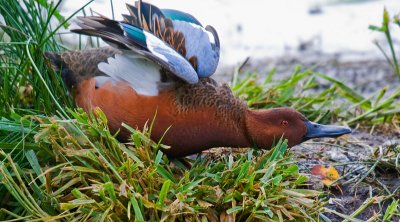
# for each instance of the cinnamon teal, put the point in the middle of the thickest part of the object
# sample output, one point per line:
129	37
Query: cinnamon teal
159	64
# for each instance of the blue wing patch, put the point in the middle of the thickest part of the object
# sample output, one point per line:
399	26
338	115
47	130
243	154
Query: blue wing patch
162	53
180	16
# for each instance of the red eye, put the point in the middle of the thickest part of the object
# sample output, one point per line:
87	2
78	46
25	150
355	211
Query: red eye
284	123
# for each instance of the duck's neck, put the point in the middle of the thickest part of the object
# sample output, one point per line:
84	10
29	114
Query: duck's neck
202	130
224	134
250	130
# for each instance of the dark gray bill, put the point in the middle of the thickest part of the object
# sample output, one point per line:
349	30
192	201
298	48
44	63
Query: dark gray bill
315	130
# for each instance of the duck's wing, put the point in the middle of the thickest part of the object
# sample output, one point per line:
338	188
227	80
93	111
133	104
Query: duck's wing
109	65
156	47
182	31
135	41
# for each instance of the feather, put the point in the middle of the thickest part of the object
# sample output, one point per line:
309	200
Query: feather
130	19
141	42
215	39
145	26
133	11
99	23
180	16
101	80
149	12
201	44
168	23
176	63
178	43
193	61
157	27
142	75
173	39
139	12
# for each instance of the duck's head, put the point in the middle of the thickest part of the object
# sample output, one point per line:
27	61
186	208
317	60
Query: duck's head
264	127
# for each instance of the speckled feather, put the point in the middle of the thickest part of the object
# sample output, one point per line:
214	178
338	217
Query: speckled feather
207	93
181	31
153	21
77	66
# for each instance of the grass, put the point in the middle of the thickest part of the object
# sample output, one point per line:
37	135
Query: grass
321	102
65	178
385	29
59	163
26	34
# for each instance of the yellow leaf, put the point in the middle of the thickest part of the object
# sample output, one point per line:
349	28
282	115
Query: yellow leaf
332	173
327	175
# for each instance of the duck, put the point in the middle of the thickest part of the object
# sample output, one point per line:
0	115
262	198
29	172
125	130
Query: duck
157	68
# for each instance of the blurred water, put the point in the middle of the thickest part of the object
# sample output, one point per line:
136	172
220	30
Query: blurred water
262	28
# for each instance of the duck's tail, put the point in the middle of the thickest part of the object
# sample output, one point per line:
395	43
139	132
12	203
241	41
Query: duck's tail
60	66
55	60
76	66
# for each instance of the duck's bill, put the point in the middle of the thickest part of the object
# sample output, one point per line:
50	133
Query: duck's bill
315	130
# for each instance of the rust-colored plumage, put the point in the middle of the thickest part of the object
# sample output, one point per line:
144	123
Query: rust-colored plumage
192	126
198	116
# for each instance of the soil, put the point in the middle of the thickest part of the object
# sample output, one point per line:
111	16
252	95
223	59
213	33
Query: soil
352	155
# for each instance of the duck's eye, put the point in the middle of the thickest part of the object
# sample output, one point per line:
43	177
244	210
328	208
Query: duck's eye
284	123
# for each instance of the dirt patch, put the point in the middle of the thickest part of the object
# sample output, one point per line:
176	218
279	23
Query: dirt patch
353	156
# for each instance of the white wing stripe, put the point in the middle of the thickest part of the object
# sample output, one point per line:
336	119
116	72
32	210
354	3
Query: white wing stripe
143	75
